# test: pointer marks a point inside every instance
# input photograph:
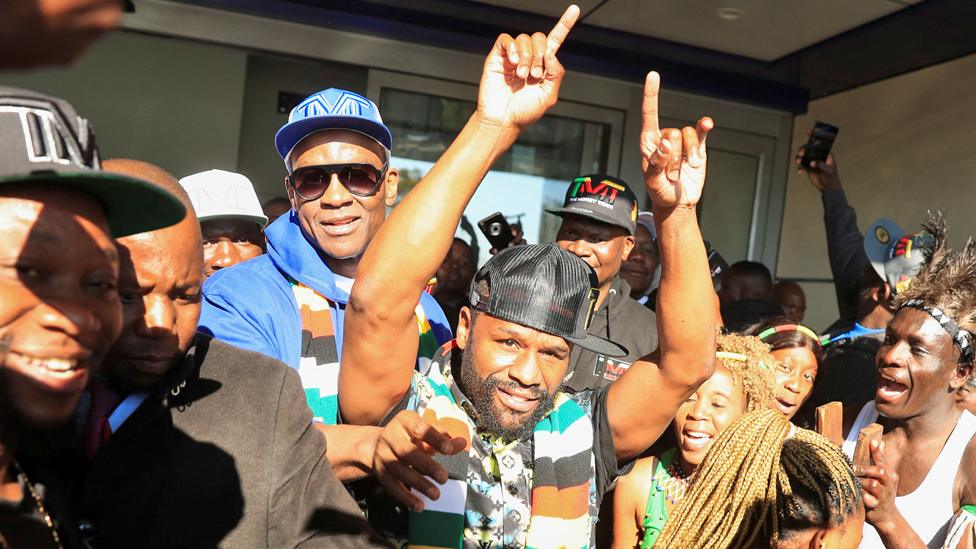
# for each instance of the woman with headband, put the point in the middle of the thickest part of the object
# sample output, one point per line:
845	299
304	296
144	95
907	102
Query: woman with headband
742	382
798	355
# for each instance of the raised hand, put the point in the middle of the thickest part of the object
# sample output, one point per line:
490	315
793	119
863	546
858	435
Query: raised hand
673	160
521	77
823	174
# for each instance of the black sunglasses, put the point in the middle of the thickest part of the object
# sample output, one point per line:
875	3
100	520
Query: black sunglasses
310	182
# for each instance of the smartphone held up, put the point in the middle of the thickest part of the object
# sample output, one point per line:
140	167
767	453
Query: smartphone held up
818	146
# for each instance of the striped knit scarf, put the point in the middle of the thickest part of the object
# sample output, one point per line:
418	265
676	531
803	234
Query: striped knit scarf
561	477
319	364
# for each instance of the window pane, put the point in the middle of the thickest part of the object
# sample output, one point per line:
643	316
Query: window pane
726	206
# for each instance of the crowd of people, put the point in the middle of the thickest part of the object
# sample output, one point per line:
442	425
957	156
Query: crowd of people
183	366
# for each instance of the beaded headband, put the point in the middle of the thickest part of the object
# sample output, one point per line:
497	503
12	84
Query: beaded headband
962	338
790	328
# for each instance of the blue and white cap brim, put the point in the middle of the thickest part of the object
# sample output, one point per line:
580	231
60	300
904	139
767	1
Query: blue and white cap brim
292	133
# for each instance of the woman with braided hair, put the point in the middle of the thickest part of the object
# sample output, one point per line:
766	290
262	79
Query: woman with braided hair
742	382
924	468
798	355
767	483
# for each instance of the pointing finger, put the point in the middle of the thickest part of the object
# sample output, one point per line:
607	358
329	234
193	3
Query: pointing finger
559	33
652	86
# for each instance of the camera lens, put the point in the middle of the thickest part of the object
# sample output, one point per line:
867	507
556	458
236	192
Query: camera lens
495	229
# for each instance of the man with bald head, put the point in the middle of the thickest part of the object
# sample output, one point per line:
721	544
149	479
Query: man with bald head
59	309
205	444
290	303
790	297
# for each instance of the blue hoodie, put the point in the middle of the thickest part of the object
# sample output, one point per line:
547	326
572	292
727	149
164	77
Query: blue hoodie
252	306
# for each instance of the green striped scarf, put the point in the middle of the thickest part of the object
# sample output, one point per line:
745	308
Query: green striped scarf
561	477
319	363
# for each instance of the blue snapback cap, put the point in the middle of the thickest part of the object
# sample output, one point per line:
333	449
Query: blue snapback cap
329	110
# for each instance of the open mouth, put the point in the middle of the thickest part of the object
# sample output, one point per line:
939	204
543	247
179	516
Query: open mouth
890	390
516	402
695	440
53	366
785	406
56	374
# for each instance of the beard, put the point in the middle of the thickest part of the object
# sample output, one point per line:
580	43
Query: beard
492	419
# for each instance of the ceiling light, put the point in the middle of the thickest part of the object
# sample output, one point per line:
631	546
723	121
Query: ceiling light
729	13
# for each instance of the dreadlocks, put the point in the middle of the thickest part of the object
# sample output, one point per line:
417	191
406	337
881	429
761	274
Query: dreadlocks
758	484
754	374
947	280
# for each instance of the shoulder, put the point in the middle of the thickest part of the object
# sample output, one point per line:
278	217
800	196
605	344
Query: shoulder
244	276
237	366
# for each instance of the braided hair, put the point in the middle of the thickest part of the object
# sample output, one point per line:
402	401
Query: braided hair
754	375
763	480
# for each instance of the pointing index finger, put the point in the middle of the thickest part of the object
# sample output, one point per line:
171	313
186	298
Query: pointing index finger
652	86
559	33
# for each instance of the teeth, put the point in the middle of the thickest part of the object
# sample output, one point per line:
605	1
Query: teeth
51	366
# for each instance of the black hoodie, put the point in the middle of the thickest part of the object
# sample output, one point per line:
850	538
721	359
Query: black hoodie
622	320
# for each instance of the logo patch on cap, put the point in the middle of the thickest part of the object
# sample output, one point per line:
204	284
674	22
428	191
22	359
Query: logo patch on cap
882	235
342	103
603	193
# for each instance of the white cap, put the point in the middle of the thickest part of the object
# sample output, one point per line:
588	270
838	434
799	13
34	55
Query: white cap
646	219
219	194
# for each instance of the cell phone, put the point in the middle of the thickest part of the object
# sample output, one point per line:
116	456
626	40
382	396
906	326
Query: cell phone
497	230
818	146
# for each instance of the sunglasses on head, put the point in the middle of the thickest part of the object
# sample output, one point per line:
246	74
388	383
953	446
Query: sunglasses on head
310	182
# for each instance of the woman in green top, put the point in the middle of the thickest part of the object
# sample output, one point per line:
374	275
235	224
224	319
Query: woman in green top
742	382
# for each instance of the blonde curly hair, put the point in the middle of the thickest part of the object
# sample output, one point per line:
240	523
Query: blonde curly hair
754	374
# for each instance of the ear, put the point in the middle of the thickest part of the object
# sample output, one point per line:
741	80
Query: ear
959	375
818	541
629	243
392	184
464	327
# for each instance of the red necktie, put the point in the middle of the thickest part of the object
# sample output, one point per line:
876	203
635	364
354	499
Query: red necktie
97	429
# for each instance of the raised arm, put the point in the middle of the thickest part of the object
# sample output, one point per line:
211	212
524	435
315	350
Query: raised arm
643	401
845	243
520	81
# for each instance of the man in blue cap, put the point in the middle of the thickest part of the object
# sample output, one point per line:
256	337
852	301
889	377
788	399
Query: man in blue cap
290	303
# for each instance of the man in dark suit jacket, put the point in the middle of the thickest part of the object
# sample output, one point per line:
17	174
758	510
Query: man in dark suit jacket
191	442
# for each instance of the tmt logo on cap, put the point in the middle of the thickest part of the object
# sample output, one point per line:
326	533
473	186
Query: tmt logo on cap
605	190
341	103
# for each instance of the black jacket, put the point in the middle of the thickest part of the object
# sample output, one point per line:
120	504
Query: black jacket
845	249
622	320
223	453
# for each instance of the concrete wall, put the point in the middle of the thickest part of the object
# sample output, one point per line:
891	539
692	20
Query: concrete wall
176	103
905	145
